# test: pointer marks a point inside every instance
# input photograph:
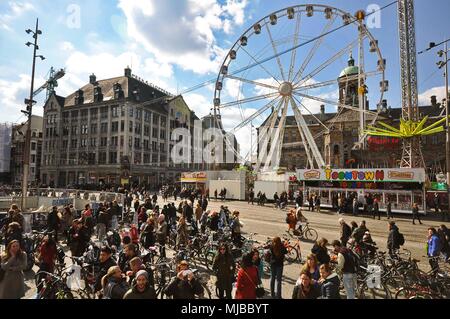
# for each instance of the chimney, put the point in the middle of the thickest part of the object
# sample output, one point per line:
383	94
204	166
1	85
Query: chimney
92	78
433	100
128	72
322	109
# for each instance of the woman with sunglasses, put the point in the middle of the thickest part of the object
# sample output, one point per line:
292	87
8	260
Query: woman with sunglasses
223	267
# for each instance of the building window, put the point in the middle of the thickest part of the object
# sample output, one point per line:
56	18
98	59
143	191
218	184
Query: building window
104	113
137	128
74	115
91	158
94	128
163	121
115	127
154	146
155	118
138	114
147	116
137	142
155	132
83	142
84	129
130	111
33	158
122	110
103	141
130	141
33	146
65	144
74	130
162	134
146	158
131	127
121	141
73	143
112	157
93	142
162	147
122	126
84	114
146	145
115	111
146	130
102	158
114	140
104	128
94	114
65	117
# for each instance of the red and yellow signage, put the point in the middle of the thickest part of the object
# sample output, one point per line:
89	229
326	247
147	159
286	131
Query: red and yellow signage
194	177
413	175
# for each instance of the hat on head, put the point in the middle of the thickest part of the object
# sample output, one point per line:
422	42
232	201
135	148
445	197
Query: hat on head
142	273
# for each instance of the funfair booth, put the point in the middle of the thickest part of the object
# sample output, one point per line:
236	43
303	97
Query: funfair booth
403	186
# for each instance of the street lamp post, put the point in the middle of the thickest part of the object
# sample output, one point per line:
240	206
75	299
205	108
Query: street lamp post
447	115
29	102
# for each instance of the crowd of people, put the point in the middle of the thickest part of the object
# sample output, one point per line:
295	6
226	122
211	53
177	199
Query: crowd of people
122	272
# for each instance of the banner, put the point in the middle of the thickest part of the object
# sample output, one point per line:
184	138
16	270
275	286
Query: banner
193	177
5	147
411	175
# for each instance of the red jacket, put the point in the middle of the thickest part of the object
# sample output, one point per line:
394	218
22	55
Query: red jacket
245	286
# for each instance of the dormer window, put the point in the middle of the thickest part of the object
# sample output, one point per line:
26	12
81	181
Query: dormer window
79	97
98	96
118	92
136	93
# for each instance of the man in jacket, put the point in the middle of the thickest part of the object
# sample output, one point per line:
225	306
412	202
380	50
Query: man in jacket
434	248
345	232
393	238
105	262
359	232
347	267
184	285
329	283
128	253
136	265
304	287
141	287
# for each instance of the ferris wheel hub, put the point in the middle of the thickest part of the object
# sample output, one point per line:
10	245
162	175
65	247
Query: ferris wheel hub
285	89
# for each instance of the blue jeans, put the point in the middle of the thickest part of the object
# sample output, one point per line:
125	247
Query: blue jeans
276	272
350	285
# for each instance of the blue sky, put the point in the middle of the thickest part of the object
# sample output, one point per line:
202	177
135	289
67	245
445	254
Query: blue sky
177	44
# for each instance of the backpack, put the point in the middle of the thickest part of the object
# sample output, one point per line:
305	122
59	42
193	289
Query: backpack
401	239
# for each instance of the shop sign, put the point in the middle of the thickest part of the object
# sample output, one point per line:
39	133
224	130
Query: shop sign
193	177
413	175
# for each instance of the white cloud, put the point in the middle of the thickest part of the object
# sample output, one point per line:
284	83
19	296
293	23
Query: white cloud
16	9
261	90
425	97
66	46
182	32
12	95
198	103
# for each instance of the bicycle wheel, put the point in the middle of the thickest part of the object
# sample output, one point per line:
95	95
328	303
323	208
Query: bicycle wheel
373	293
311	234
206	292
292	254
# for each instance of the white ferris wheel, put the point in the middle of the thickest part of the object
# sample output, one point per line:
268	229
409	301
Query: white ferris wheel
291	62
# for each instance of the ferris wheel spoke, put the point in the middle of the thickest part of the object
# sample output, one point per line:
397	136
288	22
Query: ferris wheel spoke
309	111
257	63
266	134
327	63
311	143
294	52
254	115
313	50
276	53
251	82
250	99
327	101
275	143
